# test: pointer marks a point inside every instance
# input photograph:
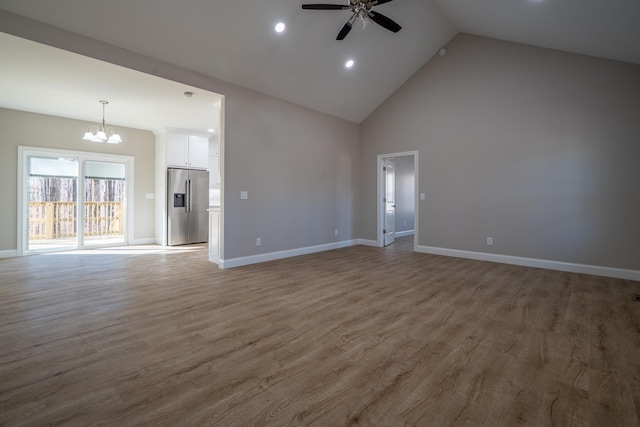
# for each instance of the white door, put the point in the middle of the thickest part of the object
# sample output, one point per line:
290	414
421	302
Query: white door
389	200
51	197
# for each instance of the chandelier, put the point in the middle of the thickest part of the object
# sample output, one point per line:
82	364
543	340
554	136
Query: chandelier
99	133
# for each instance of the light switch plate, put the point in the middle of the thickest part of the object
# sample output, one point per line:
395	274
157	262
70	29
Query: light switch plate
244	195
151	195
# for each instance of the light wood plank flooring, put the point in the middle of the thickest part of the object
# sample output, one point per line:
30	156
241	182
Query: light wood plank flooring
356	336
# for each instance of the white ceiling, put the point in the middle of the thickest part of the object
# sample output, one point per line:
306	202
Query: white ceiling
234	40
46	80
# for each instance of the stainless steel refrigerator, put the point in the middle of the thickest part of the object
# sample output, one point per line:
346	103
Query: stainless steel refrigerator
187	204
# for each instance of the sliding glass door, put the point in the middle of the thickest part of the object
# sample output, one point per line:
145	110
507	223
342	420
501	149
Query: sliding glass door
104	208
52	188
73	200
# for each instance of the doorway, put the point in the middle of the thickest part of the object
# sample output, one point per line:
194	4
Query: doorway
72	200
397	197
389	202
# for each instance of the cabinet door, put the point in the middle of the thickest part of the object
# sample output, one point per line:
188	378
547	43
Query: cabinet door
177	146
214	171
214	146
198	152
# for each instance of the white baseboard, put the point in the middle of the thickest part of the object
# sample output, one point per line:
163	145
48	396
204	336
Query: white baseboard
272	256
146	241
366	242
404	233
596	270
9	253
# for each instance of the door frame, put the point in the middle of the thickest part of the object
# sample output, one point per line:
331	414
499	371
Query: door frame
380	196
389	227
23	202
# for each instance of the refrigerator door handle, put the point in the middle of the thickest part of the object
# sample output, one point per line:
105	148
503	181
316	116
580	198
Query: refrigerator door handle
186	195
190	198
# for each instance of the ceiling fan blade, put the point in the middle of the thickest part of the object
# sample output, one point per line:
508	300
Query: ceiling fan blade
344	31
323	6
375	3
385	22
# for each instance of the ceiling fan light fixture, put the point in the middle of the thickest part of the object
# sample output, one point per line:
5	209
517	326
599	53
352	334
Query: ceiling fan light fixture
361	10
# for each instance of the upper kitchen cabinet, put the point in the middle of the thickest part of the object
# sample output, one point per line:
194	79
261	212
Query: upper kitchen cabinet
185	150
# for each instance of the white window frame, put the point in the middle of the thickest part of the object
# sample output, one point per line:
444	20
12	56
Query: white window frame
23	202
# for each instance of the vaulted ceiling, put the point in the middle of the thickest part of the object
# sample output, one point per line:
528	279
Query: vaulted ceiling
234	40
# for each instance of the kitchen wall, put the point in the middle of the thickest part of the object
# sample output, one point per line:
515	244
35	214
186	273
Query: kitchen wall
299	167
26	129
536	148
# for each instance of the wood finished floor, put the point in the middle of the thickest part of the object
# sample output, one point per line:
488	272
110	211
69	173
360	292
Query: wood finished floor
356	336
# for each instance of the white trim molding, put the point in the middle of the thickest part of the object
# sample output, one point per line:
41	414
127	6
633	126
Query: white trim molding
272	256
367	242
143	241
8	253
404	233
596	270
22	229
380	194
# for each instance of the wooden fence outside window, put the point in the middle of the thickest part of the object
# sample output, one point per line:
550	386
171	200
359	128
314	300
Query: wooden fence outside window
57	220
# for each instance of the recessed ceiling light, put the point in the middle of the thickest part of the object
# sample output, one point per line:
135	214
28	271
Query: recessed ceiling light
280	27
211	130
349	63
188	94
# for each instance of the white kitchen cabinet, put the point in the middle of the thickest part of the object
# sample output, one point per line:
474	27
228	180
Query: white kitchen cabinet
214	235
214	171
214	146
198	152
187	151
214	164
177	149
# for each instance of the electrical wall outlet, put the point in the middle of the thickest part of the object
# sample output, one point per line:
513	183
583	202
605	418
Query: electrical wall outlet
259	241
489	241
335	232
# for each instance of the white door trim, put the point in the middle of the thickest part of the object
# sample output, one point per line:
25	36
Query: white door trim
380	196
389	215
23	202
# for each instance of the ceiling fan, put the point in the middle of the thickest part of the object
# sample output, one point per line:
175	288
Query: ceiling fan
362	10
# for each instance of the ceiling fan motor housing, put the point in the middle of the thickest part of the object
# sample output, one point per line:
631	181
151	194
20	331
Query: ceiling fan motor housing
360	9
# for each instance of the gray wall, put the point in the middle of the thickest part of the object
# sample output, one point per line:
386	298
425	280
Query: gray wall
405	194
537	148
300	167
300	170
21	128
